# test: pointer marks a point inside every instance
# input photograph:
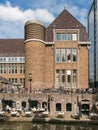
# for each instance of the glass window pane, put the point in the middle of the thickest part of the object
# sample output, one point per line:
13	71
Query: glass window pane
4	68
74	78
69	37
15	69
74	37
68	78
63	51
12	69
68	107
63	75
9	69
68	55
58	107
57	55
63	37
74	53
58	37
58	78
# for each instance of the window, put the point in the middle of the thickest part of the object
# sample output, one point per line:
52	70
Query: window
66	36
20	80
58	106
58	37
74	72
22	68
15	80
69	37
68	55
9	59
58	78
12	80
74	53
20	59
23	104
68	107
69	78
15	59
63	36
57	55
74	37
4	59
4	68
23	59
13	69
12	59
9	69
1	69
63	53
63	78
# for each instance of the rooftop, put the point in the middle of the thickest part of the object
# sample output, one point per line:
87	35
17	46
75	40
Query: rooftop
12	48
65	20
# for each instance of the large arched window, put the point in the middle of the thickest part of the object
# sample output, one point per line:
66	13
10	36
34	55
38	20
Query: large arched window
58	107
68	107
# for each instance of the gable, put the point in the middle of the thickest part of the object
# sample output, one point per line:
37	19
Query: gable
66	21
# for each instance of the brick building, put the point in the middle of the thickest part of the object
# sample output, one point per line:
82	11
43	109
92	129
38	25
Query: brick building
56	56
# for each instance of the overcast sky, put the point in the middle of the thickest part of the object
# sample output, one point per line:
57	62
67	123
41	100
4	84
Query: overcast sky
14	13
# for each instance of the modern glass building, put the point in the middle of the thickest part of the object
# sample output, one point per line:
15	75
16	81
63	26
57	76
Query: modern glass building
93	37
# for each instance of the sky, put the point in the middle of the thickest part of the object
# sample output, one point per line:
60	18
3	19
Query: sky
15	13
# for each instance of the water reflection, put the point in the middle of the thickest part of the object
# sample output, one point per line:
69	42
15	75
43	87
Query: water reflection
31	126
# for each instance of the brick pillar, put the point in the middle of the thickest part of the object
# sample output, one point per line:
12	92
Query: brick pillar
83	66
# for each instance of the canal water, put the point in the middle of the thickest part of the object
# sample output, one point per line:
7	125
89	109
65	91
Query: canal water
31	126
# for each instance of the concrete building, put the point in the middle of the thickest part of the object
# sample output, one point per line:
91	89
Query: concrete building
93	36
56	56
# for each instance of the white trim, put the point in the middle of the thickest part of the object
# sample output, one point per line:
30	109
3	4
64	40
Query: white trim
49	43
36	22
34	39
12	60
66	29
84	43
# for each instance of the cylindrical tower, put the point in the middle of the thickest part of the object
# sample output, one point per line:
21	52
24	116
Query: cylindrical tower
34	54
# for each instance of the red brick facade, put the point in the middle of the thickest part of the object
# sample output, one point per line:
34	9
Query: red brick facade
41	54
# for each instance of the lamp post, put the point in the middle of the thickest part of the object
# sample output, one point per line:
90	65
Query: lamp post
30	79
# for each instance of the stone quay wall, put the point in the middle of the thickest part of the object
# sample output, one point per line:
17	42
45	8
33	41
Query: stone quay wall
51	99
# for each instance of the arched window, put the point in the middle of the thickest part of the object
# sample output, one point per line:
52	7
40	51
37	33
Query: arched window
68	107
58	107
23	104
44	104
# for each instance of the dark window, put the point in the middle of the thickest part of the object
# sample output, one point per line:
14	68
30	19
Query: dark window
24	104
68	107
58	107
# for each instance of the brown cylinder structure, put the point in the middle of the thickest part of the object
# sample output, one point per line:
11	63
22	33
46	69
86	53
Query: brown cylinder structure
34	54
34	30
